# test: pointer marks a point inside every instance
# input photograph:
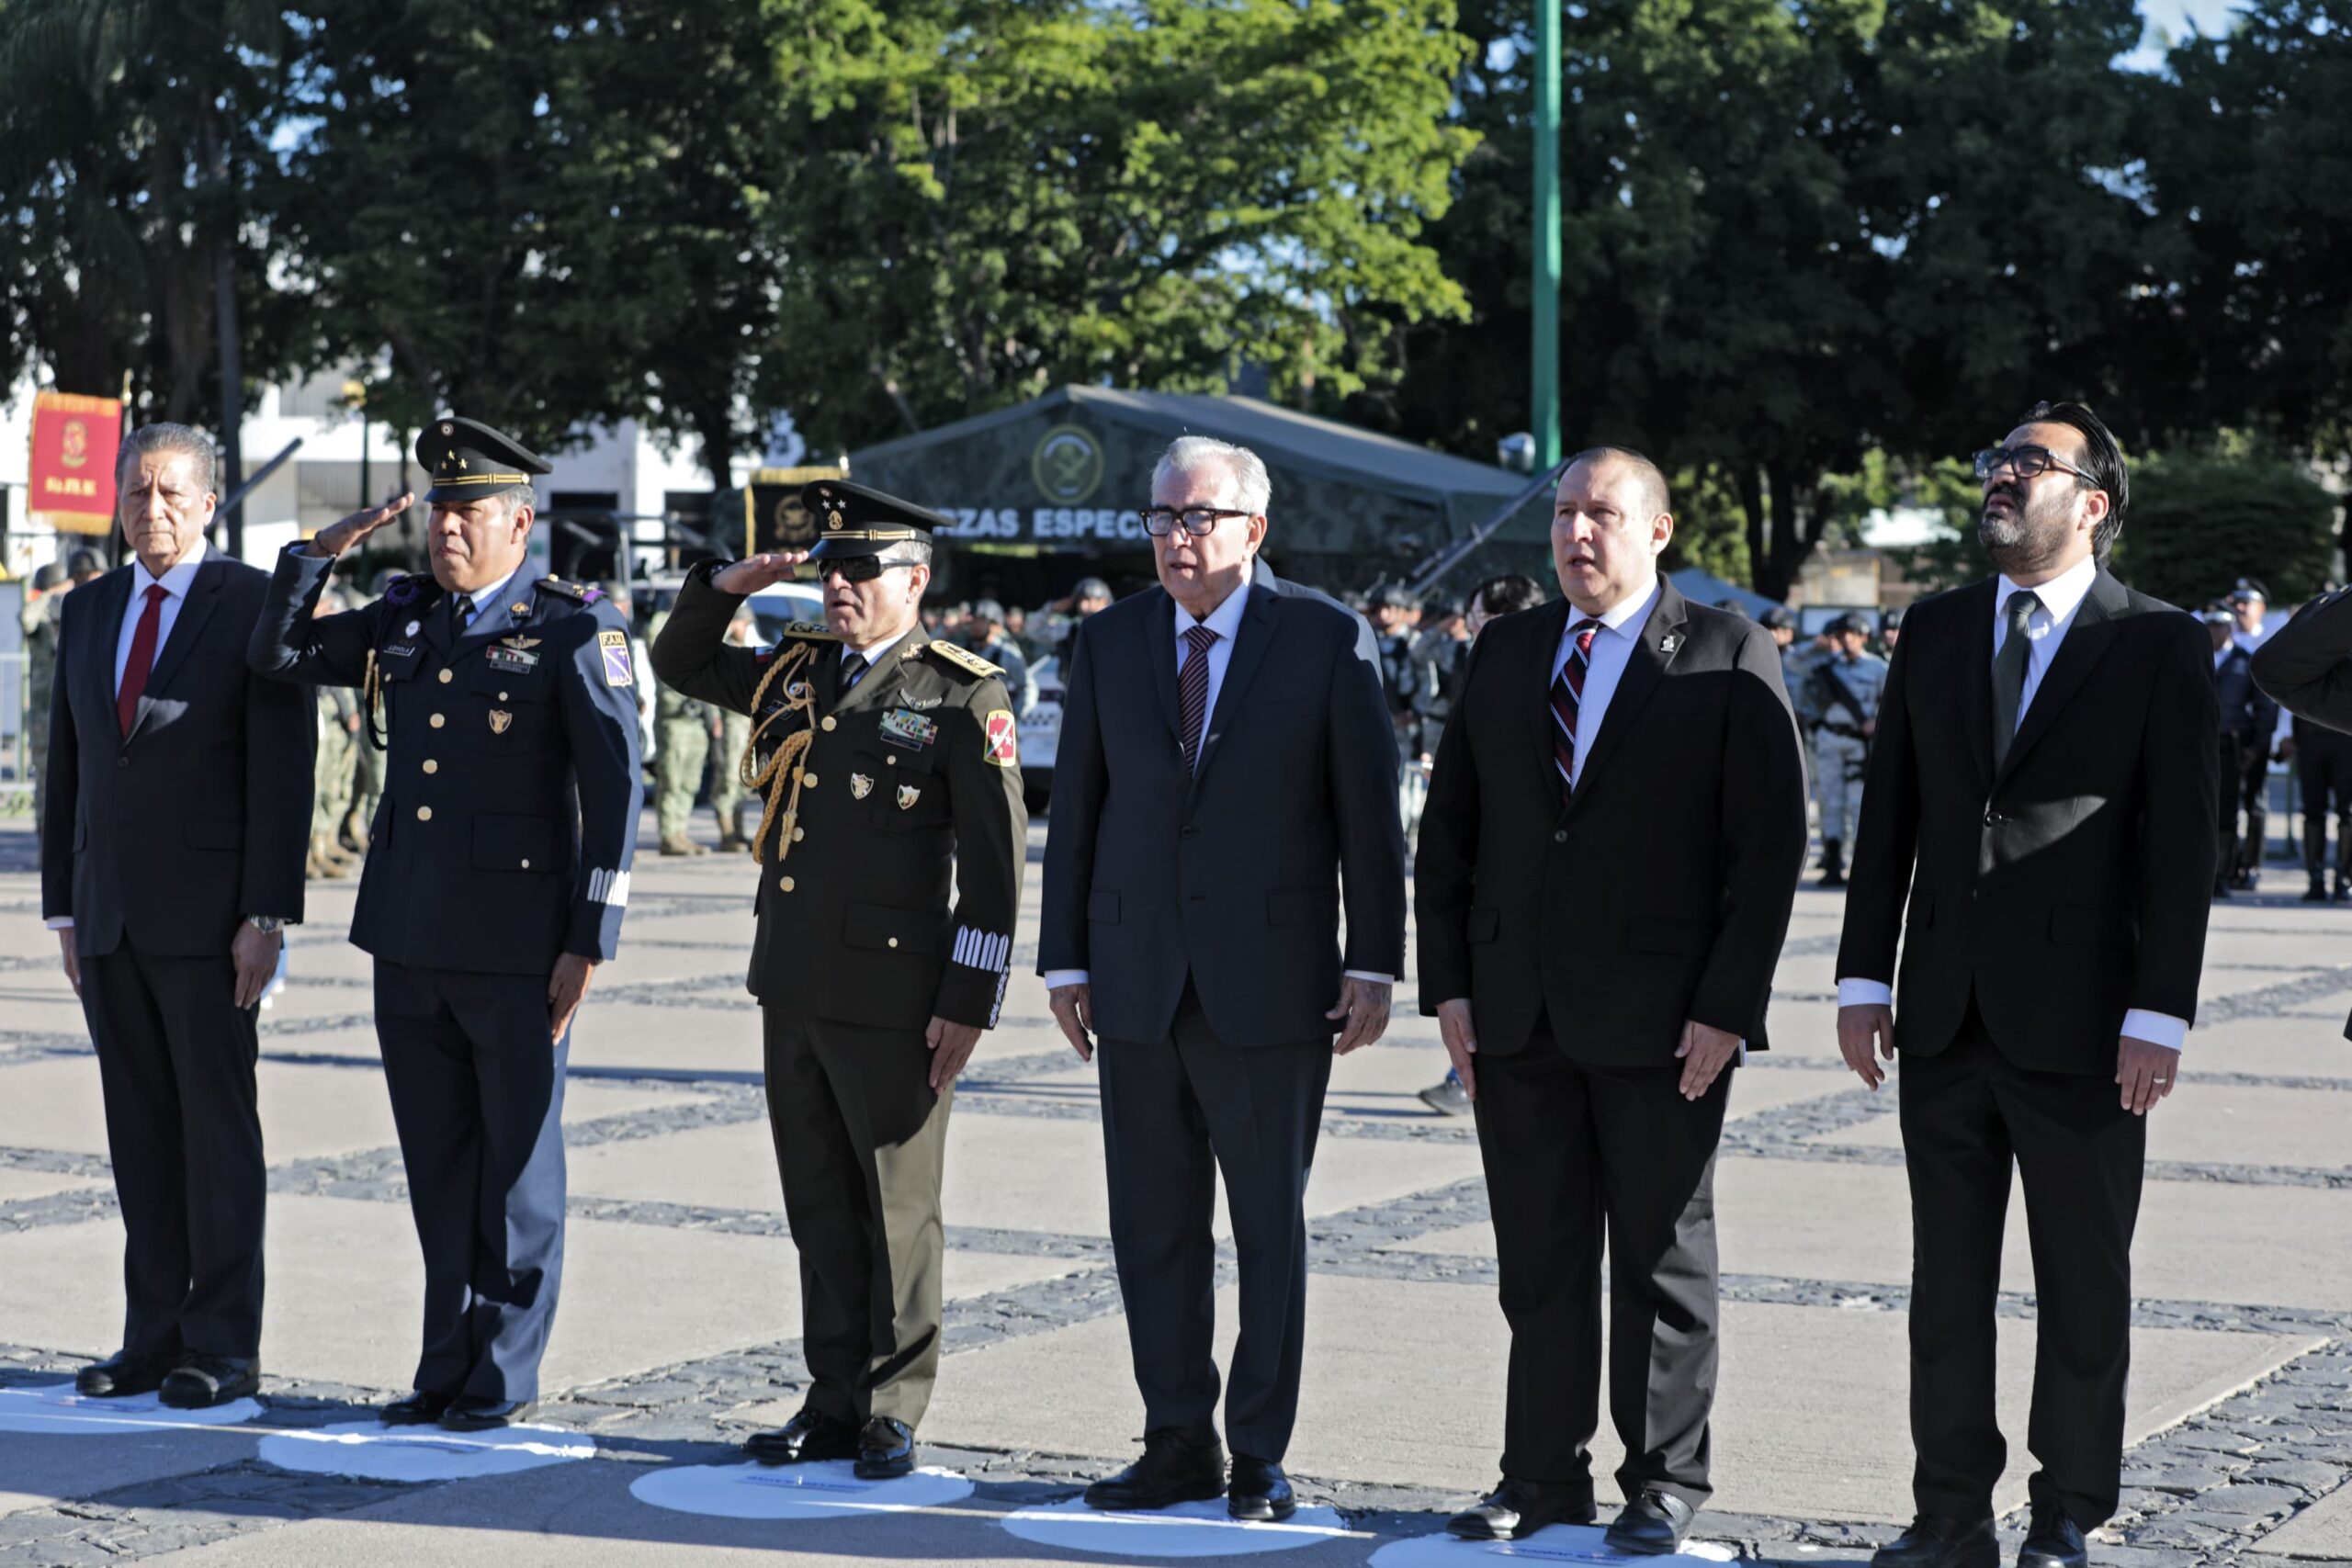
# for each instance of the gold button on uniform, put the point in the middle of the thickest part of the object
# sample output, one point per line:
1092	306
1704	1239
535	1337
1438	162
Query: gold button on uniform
828	723
424	814
808	781
502	697
446	677
431	766
527	865
437	721
798	834
892	760
894	942
785	882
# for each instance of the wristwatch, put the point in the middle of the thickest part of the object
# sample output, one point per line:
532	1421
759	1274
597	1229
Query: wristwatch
268	925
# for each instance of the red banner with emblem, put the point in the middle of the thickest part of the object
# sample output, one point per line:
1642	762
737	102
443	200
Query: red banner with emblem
75	442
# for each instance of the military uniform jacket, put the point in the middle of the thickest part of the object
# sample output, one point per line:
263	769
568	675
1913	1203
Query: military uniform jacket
511	780
1861	679
910	783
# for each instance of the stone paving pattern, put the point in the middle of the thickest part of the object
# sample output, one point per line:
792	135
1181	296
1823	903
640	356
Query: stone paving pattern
680	1299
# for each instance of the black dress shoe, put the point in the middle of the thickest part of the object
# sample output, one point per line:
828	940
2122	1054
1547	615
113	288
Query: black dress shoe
418	1407
1652	1524
1517	1509
201	1381
1259	1491
2052	1541
472	1412
1936	1541
885	1450
807	1439
1173	1469
124	1373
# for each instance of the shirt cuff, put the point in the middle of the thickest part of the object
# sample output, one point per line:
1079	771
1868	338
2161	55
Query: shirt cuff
1057	979
1865	994
2156	1028
60	924
1368	974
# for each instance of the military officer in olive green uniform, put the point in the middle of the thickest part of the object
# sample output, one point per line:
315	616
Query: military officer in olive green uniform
887	768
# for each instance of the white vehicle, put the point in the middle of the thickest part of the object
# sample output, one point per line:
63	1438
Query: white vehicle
1041	733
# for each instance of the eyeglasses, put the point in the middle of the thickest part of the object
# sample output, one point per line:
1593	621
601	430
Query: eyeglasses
857	569
2027	462
1160	521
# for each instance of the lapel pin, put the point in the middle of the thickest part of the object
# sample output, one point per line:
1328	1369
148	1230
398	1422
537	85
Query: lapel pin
413	628
1668	643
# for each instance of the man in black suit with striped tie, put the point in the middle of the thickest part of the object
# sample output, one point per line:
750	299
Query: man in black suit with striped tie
1614	832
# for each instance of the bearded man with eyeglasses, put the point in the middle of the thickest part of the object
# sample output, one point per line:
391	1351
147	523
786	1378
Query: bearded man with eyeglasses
889	777
2038	828
1226	786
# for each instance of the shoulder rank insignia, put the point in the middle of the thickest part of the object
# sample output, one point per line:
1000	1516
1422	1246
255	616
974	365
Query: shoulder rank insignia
961	657
807	631
577	593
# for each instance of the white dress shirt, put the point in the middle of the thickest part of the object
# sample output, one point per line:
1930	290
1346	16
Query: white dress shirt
176	582
1225	621
873	651
2062	599
1620	629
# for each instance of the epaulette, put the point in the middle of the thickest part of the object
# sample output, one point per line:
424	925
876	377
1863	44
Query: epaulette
964	656
577	593
797	631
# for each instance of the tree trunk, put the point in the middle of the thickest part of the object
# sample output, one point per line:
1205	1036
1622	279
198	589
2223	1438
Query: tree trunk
1749	482
1794	529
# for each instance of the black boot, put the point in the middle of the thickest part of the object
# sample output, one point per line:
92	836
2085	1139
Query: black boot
1832	862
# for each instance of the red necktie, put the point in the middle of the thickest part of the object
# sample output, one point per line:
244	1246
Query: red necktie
1567	697
142	657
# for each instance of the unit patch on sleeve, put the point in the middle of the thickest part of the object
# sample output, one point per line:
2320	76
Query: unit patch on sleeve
1003	739
619	669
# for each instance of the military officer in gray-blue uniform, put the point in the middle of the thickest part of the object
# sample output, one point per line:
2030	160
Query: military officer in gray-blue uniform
497	871
1843	701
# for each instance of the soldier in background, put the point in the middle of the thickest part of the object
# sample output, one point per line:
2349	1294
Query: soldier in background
331	767
1890	632
2249	607
682	732
2246	717
985	634
1844	702
727	795
2322	759
42	612
1090	597
890	849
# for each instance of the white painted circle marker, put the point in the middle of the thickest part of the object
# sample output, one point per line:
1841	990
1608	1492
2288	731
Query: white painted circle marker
828	1490
1553	1543
1187	1529
53	1408
369	1450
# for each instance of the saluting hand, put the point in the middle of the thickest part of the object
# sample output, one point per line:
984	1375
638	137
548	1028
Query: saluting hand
337	538
754	572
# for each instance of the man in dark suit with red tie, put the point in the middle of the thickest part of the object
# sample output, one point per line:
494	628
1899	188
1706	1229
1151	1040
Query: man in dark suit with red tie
1614	832
1226	787
2039	830
178	807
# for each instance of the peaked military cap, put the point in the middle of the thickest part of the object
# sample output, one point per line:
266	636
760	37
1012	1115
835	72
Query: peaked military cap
2249	589
852	520
467	460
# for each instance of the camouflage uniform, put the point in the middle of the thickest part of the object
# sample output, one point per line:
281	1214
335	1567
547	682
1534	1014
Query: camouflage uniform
40	620
682	728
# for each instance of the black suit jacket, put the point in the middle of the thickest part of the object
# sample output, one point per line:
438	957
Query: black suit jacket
201	815
2073	885
1658	892
1234	873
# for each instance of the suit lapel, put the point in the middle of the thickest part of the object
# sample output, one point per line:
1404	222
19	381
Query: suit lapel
106	628
195	609
1975	676
1161	655
1660	640
1551	625
1249	643
2086	643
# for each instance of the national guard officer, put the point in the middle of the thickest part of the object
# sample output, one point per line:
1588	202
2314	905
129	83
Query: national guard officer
885	761
495	883
1844	704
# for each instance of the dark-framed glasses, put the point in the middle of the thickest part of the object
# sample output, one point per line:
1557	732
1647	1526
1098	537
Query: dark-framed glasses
1198	521
2026	461
857	569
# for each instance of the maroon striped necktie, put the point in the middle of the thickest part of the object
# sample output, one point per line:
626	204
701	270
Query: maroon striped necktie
1567	697
1192	692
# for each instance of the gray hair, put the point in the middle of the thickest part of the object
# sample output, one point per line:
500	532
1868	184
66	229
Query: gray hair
183	439
917	550
1253	490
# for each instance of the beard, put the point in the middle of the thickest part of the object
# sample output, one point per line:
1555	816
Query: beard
2024	536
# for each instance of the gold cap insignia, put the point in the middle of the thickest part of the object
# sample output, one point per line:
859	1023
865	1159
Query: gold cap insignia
907	796
860	785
